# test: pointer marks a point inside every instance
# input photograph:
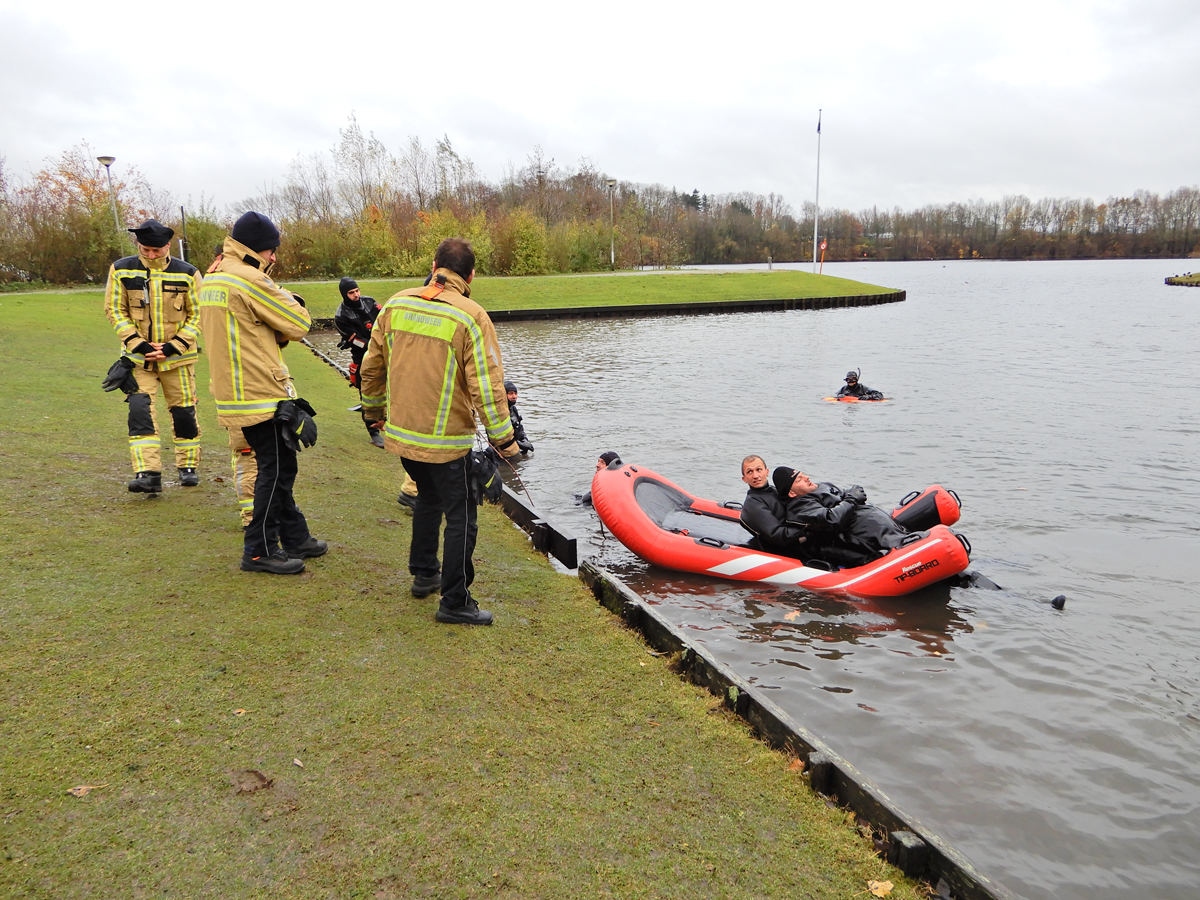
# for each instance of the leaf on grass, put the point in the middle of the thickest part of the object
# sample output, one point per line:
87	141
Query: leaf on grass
239	712
296	762
250	780
83	790
796	765
879	888
640	663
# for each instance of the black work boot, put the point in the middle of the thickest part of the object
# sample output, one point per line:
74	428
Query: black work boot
407	500
188	477
467	614
146	483
311	547
424	585
278	563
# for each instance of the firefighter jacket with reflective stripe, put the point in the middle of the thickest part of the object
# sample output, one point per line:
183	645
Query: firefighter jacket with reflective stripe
246	317
433	365
155	300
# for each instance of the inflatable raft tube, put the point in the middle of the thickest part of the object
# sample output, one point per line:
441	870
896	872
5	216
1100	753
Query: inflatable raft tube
921	510
665	525
854	400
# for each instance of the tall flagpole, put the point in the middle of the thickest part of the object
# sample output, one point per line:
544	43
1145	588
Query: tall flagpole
817	205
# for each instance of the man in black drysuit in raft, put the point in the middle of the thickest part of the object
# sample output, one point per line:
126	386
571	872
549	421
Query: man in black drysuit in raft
840	527
763	513
853	389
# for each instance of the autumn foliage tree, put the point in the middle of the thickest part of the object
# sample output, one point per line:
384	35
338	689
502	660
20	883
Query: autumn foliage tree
364	210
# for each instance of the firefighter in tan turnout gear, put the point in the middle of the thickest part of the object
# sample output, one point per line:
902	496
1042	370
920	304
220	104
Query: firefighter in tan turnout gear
151	301
248	319
432	367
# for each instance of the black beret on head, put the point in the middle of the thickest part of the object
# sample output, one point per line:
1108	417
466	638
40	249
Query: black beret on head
608	456
346	285
256	231
152	233
783	478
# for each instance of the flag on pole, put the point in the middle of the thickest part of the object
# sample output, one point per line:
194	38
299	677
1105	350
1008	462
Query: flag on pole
818	123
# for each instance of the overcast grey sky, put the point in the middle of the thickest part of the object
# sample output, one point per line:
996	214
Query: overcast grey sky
924	102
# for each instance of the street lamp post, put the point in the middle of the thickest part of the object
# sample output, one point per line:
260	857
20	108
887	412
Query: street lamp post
107	162
612	226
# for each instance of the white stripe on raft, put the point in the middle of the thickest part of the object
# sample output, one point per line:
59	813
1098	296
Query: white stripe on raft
742	564
795	576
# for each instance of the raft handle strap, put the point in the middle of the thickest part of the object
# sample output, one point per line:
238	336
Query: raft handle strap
909	498
962	538
731	504
913	538
712	542
956	500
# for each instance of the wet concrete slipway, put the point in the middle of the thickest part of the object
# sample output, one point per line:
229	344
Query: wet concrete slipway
1058	750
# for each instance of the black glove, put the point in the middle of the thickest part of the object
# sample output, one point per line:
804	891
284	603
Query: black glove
305	405
483	471
856	494
170	349
298	428
120	375
299	300
143	347
525	446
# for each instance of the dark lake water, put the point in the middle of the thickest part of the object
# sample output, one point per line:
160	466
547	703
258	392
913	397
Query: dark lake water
1060	751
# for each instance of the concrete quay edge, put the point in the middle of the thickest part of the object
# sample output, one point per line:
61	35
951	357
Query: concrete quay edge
927	857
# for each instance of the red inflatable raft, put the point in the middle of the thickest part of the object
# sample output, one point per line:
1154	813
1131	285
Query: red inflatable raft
667	526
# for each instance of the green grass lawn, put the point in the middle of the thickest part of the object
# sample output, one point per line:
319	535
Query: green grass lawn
549	756
598	290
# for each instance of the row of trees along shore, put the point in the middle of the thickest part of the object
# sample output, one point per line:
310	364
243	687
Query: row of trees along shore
363	210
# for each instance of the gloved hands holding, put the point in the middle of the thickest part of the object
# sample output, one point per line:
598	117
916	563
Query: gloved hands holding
525	446
856	494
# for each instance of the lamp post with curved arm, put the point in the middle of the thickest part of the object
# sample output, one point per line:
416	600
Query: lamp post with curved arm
612	226
107	162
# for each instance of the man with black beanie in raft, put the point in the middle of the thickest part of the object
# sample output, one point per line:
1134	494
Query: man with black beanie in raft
152	301
840	526
247	320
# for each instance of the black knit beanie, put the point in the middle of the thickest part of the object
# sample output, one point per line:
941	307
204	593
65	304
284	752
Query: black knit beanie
783	477
510	385
346	285
608	456
256	231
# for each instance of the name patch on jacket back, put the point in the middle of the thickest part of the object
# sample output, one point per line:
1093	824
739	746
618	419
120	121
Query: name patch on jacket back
422	323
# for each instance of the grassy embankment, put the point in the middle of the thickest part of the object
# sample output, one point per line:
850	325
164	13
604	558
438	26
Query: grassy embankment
1191	279
548	756
653	287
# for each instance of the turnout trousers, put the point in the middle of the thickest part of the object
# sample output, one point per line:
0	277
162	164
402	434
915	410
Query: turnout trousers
179	391
245	470
276	518
442	491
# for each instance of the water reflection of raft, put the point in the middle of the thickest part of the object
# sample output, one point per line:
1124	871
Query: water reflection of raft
665	525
